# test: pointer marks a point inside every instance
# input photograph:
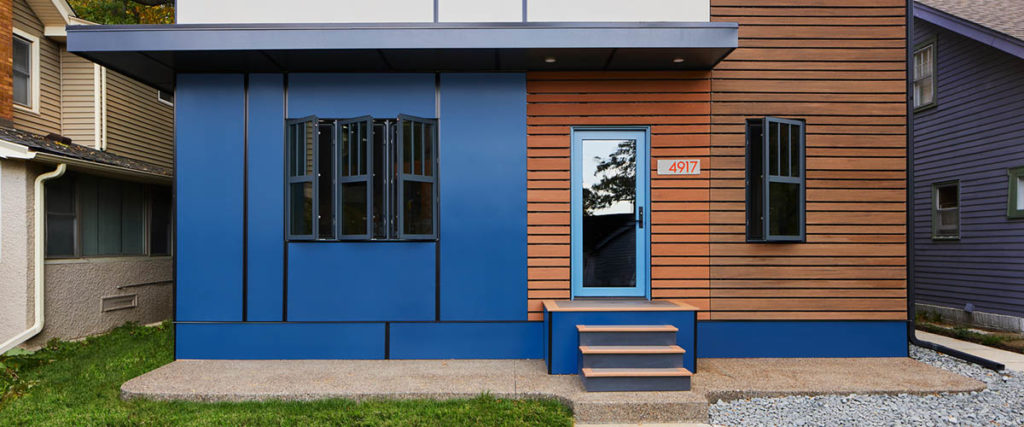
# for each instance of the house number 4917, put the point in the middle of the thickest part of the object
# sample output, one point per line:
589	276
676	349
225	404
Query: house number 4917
679	167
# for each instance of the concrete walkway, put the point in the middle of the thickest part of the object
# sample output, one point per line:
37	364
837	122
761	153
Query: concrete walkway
1013	361
236	380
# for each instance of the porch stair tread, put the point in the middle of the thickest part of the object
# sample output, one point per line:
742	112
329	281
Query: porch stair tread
635	372
626	328
631	349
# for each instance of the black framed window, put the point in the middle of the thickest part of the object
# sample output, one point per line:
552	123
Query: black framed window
946	210
1015	198
89	216
776	207
375	179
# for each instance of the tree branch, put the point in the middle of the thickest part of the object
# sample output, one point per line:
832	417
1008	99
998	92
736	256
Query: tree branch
153	2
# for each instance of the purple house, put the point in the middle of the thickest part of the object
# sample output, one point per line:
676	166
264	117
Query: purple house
968	161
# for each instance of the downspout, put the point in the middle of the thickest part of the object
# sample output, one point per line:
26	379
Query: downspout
40	254
911	307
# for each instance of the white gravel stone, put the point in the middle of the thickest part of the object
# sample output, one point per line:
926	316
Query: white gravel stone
1000	404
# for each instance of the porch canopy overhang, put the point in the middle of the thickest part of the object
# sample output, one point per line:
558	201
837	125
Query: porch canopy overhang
154	53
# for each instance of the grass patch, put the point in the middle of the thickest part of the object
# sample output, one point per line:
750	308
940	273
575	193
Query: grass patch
78	383
1008	342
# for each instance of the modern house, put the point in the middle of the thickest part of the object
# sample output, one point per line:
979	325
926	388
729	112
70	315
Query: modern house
86	157
969	161
557	179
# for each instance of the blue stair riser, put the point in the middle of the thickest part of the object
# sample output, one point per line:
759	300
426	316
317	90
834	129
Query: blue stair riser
627	338
637	383
660	360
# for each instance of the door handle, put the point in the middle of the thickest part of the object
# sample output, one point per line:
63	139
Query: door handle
641	217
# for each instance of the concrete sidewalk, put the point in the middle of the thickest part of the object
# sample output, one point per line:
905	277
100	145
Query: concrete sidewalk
237	380
1013	361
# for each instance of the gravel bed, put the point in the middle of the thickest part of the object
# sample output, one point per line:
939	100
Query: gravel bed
1001	404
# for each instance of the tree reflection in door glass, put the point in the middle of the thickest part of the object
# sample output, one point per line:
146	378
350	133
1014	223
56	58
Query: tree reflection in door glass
609	200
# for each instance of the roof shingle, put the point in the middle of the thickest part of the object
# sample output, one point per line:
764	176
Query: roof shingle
1004	16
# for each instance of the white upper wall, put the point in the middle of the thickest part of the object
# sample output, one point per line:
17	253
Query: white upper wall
391	11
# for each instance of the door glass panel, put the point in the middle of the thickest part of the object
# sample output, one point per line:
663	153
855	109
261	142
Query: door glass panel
609	200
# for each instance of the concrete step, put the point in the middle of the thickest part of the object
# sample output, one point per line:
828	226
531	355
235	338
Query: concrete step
636	379
620	335
633	356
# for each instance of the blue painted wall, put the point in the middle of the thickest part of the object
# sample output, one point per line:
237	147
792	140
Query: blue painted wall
341	95
483	197
210	162
802	339
265	276
368	281
973	135
497	340
279	340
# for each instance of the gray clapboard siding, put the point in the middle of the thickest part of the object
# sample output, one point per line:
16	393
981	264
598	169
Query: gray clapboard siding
48	118
78	99
974	134
138	125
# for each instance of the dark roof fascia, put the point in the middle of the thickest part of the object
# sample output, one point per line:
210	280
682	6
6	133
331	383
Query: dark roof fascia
571	35
971	30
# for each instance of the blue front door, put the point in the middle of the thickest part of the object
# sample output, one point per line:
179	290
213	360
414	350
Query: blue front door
610	215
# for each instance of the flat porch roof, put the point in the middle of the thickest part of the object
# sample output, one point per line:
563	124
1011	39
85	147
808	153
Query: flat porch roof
154	53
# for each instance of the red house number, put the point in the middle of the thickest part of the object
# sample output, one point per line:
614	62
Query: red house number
679	167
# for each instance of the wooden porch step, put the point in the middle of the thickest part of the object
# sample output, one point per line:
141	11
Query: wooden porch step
626	328
635	372
631	349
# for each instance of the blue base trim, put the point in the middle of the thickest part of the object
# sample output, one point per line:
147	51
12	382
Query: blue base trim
518	340
563	355
279	341
802	339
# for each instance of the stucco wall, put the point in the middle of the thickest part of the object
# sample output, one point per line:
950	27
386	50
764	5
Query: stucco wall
74	287
15	248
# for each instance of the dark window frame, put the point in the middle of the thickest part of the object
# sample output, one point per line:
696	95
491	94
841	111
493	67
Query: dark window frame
925	45
392	220
290	178
759	178
935	210
1015	195
78	235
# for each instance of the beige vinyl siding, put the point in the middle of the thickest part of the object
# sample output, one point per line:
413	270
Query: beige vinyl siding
138	125
48	119
78	99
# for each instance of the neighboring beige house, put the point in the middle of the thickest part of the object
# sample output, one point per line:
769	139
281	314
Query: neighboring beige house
106	225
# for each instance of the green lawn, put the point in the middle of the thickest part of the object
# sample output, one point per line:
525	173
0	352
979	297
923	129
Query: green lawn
78	384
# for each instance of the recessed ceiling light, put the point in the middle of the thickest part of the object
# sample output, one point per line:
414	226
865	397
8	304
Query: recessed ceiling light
550	60
678	60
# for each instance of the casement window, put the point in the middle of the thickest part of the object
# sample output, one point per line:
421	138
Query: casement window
924	76
775	180
25	70
1015	199
88	216
362	178
946	210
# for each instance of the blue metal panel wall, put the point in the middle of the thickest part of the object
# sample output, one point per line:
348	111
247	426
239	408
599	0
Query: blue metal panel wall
563	357
265	197
369	281
973	135
497	340
802	339
279	340
353	95
210	141
483	197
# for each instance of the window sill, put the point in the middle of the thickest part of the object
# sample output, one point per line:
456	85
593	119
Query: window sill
945	239
926	107
33	110
107	259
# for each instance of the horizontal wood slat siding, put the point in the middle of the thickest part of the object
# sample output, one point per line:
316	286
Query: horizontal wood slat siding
676	106
976	126
47	120
839	64
138	125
